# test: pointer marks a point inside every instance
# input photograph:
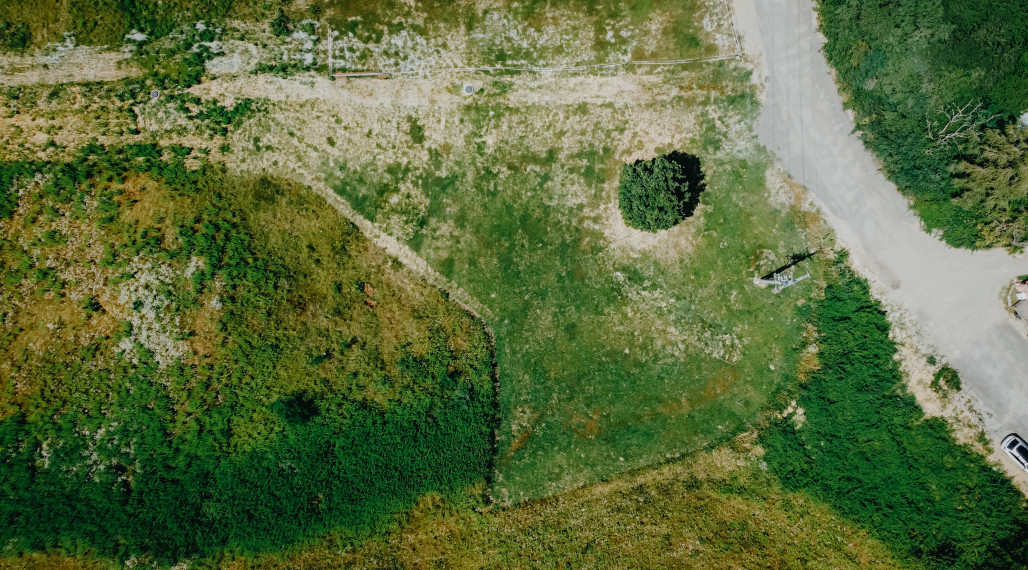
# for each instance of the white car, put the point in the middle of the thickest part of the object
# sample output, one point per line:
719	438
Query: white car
1017	449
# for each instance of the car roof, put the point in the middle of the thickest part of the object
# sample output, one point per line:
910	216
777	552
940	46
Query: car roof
1013	437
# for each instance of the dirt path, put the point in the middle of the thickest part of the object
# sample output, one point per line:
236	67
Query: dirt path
954	295
72	65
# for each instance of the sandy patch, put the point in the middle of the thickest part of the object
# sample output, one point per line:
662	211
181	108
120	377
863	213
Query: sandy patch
667	246
73	65
238	57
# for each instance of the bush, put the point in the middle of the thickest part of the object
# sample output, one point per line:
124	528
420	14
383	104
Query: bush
946	377
658	194
15	36
280	25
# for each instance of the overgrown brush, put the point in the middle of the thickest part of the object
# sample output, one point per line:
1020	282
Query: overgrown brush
234	381
866	448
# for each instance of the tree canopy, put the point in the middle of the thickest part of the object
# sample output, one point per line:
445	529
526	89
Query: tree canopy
993	179
657	194
927	79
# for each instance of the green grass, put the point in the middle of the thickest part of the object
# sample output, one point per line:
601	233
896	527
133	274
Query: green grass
867	449
608	360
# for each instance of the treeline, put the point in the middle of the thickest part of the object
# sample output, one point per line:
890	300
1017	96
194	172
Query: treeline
863	445
294	408
936	85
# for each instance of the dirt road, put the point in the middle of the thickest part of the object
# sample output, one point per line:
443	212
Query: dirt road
953	294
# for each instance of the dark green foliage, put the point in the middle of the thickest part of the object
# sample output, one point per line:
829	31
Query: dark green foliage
657	194
282	429
907	67
867	449
181	63
946	377
102	22
15	36
158	20
416	131
216	117
281	24
993	179
9	174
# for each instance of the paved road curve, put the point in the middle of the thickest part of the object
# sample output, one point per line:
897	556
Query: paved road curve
954	294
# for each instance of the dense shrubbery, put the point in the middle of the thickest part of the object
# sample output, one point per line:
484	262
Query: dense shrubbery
180	63
993	179
657	194
294	409
15	36
927	79
866	448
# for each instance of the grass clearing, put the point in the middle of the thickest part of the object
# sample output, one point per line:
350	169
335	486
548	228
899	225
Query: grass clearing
392	35
616	348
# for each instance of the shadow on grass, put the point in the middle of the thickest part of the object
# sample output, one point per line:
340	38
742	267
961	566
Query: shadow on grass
692	180
794	259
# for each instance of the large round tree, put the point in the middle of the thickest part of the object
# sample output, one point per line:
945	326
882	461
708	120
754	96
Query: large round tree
657	194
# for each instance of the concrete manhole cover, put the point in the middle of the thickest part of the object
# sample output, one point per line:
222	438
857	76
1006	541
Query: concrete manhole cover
469	89
155	94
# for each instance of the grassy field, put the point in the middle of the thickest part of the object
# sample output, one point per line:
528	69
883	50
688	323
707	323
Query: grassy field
384	33
715	509
616	348
299	398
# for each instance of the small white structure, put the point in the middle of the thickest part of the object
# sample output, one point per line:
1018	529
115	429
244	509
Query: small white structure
468	89
783	280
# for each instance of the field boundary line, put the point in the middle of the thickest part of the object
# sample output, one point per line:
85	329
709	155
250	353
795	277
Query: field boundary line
584	67
398	250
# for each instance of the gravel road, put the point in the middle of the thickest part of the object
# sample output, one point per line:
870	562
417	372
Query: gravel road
953	294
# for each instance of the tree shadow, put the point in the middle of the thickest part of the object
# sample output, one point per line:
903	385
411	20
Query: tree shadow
692	181
793	260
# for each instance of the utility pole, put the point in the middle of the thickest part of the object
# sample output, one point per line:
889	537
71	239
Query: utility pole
783	280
